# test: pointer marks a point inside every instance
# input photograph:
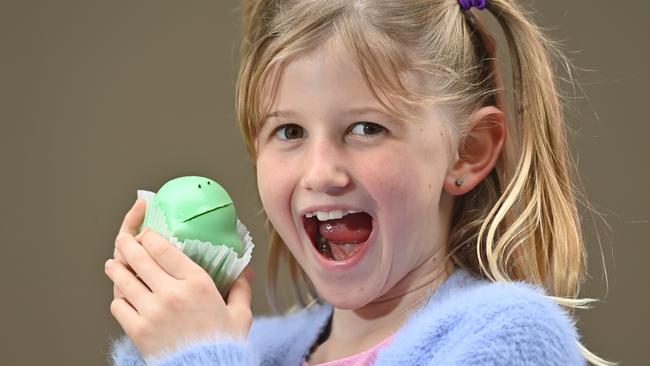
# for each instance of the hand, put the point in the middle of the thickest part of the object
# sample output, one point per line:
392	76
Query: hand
172	300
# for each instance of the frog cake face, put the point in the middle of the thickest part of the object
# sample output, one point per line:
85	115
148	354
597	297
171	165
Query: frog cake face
198	208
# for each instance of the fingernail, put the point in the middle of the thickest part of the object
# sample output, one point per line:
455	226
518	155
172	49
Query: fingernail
108	262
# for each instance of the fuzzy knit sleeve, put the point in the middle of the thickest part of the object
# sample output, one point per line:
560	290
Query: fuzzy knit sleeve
523	328
472	322
213	353
272	341
124	353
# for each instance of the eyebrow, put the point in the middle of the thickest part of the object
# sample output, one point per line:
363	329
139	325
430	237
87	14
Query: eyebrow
276	114
376	111
370	110
280	113
351	111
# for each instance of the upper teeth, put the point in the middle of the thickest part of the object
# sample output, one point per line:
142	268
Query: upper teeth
329	215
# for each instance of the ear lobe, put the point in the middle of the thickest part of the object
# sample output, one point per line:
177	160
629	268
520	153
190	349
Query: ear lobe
478	150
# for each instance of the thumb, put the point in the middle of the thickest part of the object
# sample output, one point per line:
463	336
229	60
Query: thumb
133	219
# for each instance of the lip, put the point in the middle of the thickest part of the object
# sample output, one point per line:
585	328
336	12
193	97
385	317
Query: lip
330	265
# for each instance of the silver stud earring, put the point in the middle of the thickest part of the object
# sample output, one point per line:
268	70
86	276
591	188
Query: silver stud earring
459	182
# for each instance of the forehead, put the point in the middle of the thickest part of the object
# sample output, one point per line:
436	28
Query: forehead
327	72
328	81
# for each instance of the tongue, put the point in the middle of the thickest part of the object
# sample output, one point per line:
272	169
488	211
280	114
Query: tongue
342	252
351	229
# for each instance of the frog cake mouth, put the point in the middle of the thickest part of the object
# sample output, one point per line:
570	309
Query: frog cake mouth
207	212
337	234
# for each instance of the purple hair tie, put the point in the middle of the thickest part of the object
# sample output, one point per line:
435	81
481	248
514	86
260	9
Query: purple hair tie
468	4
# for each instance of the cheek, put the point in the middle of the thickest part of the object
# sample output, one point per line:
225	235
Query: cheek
276	179
272	183
389	182
406	189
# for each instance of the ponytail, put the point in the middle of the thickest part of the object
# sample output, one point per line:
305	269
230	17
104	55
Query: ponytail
533	231
540	188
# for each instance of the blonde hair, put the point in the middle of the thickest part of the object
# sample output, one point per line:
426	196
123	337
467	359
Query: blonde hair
521	222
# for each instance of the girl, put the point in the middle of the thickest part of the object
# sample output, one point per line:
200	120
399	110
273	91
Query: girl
421	225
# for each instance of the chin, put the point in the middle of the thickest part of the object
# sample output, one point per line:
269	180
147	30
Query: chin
345	297
345	302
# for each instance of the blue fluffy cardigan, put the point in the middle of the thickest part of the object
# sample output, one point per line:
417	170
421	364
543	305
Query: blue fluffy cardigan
466	322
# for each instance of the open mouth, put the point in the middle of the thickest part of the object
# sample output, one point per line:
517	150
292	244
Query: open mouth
338	238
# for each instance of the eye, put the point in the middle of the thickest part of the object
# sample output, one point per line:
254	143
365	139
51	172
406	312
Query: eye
289	132
366	129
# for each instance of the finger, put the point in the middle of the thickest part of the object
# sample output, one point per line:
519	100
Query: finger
118	256
142	263
116	292
138	237
133	219
129	285
239	300
240	291
125	314
170	258
131	225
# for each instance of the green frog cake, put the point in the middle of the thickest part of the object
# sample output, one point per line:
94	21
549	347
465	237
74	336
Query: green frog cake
197	215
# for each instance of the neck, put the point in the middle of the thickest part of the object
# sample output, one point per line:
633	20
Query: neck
385	315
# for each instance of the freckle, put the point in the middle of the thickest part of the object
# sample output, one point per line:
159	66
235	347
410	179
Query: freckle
429	185
421	129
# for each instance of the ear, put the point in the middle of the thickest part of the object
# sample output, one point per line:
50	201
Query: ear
478	150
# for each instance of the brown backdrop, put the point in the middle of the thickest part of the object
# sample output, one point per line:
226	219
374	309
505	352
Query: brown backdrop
98	99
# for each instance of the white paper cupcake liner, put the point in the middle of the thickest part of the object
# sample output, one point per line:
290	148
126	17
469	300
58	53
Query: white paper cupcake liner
220	261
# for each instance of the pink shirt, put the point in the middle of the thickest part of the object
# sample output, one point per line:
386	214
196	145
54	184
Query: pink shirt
366	358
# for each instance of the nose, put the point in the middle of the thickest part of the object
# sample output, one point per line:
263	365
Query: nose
325	169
